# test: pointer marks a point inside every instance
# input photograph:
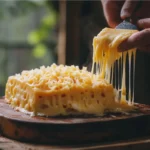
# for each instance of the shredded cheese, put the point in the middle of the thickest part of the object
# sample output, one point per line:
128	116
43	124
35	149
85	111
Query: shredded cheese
60	90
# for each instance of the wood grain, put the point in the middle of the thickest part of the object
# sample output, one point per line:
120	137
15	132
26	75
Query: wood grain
135	144
73	130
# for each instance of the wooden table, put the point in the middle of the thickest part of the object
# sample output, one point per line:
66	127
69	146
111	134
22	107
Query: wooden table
136	144
20	126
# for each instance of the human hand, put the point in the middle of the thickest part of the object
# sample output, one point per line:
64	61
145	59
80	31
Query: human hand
140	17
114	11
135	10
140	40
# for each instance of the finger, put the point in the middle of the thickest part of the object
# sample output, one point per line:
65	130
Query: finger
113	21
139	39
128	8
144	23
112	17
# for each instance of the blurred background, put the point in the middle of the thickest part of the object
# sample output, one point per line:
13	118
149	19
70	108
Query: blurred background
28	36
41	32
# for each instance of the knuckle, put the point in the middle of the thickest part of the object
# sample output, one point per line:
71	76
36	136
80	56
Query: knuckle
142	21
137	38
146	31
143	35
145	23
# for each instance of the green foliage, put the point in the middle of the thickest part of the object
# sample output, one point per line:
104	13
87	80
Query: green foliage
49	20
37	37
16	22
40	35
39	51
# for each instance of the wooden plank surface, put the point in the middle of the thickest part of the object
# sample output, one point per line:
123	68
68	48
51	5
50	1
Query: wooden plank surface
74	130
136	144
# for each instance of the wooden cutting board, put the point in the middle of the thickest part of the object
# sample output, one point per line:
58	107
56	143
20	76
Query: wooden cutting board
74	130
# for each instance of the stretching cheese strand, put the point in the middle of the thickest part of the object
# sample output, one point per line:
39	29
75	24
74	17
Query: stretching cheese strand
105	54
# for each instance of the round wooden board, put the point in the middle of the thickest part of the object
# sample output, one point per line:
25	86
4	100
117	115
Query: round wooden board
73	130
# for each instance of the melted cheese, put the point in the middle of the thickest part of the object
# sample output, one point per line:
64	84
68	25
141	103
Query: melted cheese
64	90
112	64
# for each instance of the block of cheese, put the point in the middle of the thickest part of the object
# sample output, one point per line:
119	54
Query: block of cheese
61	90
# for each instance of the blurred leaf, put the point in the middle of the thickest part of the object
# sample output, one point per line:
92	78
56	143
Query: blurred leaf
49	20
43	34
37	36
33	37
39	51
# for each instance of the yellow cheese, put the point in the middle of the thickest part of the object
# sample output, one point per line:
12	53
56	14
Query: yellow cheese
60	90
112	63
64	90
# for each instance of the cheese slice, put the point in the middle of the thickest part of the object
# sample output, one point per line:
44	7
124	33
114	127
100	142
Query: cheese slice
111	65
